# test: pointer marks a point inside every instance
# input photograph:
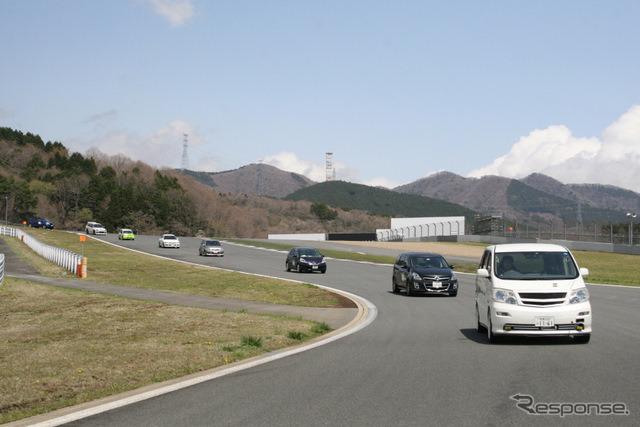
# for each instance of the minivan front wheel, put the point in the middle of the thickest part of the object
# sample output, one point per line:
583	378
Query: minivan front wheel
408	285
480	328
492	337
582	339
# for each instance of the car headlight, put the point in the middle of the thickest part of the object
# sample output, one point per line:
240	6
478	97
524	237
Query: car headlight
415	276
505	296
304	261
578	296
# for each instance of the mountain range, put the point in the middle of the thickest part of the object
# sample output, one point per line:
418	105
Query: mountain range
535	198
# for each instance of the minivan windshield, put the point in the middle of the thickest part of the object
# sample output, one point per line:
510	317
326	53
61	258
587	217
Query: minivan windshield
428	262
535	266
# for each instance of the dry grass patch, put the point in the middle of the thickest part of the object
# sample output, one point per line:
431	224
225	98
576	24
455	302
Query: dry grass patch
118	266
62	347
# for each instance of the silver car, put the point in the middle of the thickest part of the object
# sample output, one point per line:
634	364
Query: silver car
210	247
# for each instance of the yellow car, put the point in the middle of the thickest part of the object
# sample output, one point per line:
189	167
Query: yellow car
126	234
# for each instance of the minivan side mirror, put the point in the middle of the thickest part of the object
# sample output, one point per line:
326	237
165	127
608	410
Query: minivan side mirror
483	272
584	272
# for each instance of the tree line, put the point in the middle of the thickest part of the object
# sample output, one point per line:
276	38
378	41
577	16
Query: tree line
44	179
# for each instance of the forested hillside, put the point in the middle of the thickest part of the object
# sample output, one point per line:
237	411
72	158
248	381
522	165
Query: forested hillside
44	179
378	201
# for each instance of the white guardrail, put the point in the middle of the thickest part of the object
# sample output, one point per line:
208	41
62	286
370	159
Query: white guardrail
1	269
63	257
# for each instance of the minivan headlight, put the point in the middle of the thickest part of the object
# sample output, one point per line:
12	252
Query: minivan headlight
579	295
505	296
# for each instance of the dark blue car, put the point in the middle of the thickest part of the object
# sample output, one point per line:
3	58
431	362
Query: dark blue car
305	259
39	222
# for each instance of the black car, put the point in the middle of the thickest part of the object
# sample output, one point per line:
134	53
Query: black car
39	222
420	272
305	259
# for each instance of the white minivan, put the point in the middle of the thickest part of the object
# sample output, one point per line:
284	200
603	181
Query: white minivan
532	289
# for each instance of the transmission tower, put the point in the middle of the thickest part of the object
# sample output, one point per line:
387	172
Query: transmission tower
331	173
260	182
185	154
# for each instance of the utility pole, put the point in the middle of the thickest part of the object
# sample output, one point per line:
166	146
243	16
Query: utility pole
631	215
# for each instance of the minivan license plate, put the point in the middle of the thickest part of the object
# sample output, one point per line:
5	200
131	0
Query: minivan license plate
545	322
436	284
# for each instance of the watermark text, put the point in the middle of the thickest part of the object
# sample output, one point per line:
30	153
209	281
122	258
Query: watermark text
527	404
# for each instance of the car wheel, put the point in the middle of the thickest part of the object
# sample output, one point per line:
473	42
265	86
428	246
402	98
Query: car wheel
323	271
492	337
286	266
479	327
394	286
582	339
299	268
409	292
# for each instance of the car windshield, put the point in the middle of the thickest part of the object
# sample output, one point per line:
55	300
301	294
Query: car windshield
535	266
309	253
428	262
125	231
213	243
169	237
96	225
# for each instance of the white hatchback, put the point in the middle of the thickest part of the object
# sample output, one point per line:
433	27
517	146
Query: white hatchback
532	289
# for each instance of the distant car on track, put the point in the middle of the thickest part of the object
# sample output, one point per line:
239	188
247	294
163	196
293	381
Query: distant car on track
94	228
169	241
39	222
422	272
210	247
305	259
126	234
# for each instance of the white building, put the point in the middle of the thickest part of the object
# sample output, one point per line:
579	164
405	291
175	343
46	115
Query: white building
414	229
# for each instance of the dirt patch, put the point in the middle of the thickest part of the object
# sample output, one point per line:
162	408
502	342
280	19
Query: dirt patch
442	248
345	302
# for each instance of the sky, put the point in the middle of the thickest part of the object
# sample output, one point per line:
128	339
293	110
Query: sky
396	90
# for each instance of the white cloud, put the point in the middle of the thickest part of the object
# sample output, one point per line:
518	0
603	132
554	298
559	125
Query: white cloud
289	162
178	12
160	148
381	182
554	151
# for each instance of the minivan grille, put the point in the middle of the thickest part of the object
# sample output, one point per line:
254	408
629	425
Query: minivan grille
444	280
542	298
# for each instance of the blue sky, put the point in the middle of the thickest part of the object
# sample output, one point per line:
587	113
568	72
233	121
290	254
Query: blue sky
396	90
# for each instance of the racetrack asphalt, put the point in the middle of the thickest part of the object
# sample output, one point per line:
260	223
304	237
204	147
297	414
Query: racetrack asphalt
336	318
